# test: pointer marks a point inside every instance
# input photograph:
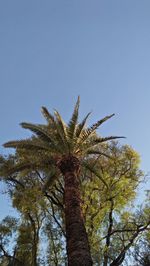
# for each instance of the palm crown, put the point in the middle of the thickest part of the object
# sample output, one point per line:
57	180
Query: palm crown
56	139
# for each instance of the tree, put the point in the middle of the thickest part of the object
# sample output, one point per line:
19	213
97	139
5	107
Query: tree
142	252
112	224
8	228
61	150
26	198
141	249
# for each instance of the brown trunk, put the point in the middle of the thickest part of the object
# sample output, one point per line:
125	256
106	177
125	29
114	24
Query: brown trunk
78	250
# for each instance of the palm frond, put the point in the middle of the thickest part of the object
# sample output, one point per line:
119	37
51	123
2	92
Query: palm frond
96	152
39	131
74	120
61	128
101	140
81	126
28	165
47	115
18	167
91	129
80	132
26	144
95	172
99	122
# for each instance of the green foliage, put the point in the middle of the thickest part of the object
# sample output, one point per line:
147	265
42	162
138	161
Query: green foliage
109	176
120	171
8	228
97	198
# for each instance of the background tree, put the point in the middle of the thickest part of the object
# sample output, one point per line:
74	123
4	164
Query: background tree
141	250
8	227
112	225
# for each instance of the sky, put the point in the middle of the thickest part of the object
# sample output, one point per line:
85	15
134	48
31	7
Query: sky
51	51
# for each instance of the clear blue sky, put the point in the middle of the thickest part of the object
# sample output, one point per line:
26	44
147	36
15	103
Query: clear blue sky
51	51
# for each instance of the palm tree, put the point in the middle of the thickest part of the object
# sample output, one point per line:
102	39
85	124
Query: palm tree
63	148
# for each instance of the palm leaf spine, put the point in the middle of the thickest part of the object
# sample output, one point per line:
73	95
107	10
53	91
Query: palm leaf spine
74	120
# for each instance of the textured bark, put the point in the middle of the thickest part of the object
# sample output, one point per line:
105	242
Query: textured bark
78	250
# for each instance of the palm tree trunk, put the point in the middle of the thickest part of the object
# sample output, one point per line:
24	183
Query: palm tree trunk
78	250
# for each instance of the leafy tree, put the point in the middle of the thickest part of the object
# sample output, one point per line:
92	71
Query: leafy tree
112	226
61	149
8	227
142	252
141	249
111	223
26	198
